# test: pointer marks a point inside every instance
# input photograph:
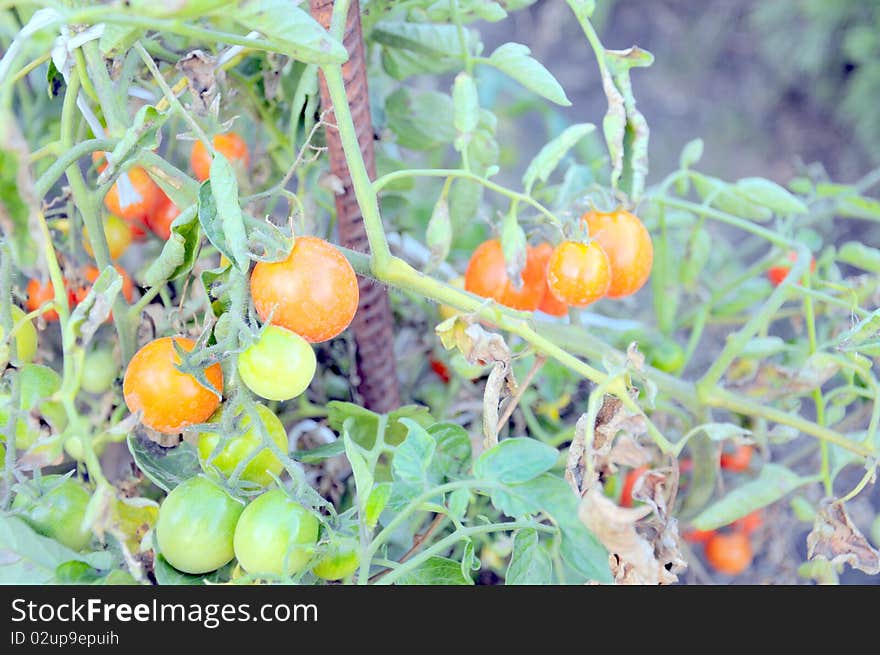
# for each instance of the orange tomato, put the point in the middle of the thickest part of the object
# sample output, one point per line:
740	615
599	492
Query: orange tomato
626	497
549	303
730	553
169	399
486	276
749	523
91	273
578	273
738	460
38	294
694	536
777	274
233	147
628	245
161	219
314	292
135	213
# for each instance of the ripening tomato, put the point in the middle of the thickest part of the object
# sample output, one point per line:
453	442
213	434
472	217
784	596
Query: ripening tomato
626	498
339	561
280	365
314	292
694	536
23	336
777	274
169	399
729	553
160	220
56	509
136	212
666	355
486	276
261	466
578	273
231	145
550	304
738	460
91	273
196	525
118	234
39	294
99	371
275	535
628	245
749	523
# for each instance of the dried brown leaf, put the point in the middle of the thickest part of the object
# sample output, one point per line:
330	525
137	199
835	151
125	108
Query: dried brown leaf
835	538
200	70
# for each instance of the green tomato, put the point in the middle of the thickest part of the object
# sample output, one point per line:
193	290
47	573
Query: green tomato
25	433
666	356
100	370
875	531
273	531
279	366
340	561
24	334
196	524
56	510
258	469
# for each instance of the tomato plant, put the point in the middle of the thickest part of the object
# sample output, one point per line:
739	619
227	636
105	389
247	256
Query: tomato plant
406	335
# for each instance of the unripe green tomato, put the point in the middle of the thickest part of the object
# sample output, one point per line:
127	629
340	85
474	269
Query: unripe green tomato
100	369
261	468
666	356
340	561
279	366
24	335
875	531
25	435
73	446
57	512
273	531
196	524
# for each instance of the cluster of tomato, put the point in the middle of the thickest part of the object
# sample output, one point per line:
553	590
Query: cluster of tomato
615	262
728	550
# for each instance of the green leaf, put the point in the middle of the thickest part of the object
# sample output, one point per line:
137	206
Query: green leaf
770	195
721	431
376	503
165	467
859	255
514	246
773	482
744	297
19	210
438	234
179	252
298	34
435	571
28	558
546	161
762	347
37	382
853	206
452	457
422	38
401	64
319	454
515	460
728	198
421	121
224	189
412	458
466	104
530	563
691	154
363	476
117	39
168	575
514	60
704	455
457	502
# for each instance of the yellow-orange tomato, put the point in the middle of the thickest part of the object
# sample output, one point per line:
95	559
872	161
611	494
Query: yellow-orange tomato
135	213
578	273
233	147
550	304
118	234
730	553
160	220
628	245
169	399
314	292
486	276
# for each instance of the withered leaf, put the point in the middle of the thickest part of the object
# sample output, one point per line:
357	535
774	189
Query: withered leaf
835	538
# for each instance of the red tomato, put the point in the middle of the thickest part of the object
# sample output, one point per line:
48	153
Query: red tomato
738	460
777	274
441	370
550	304
730	554
694	536
626	498
749	523
486	276
233	147
161	219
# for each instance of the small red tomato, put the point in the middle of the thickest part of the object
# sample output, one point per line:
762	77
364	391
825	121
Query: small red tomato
38	294
441	370
550	304
730	554
738	460
749	523
231	145
626	498
694	536
777	274
161	219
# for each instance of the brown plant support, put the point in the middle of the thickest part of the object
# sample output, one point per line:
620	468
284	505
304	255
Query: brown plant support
372	326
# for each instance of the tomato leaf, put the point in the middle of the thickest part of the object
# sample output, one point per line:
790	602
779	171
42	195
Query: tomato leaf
179	252
224	190
859	255
292	30
530	563
376	503
435	571
546	161
319	454
363	476
412	458
515	460
691	153
728	198
421	121
466	104
438	234
430	41
773	482
770	195
18	207
165	467
514	60
704	454
453	453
